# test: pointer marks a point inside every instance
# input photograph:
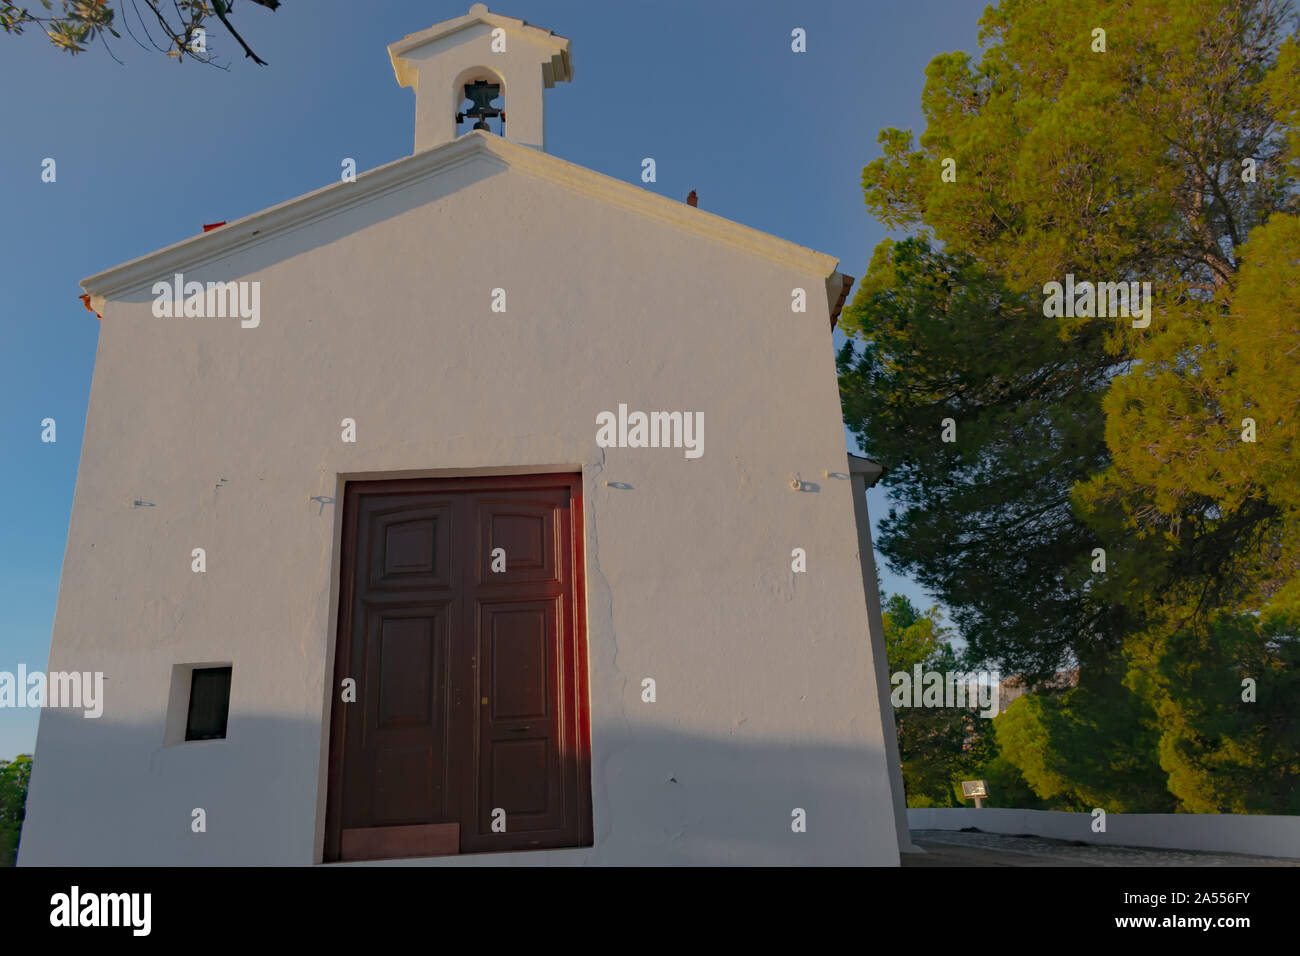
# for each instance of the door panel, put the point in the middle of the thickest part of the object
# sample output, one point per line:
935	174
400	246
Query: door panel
526	531
410	544
521	747
398	771
519	660
471	684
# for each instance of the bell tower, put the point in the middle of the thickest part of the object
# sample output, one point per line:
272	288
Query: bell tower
481	67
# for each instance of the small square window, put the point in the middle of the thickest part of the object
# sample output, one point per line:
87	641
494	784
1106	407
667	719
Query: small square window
209	704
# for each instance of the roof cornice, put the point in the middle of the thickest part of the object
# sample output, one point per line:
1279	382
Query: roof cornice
260	227
265	225
588	182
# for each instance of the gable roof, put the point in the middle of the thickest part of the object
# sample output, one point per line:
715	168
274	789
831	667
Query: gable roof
265	225
558	70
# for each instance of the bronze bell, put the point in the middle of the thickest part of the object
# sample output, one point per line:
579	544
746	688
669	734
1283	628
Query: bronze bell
481	94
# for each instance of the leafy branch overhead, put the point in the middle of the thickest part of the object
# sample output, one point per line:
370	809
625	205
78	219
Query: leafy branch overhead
178	28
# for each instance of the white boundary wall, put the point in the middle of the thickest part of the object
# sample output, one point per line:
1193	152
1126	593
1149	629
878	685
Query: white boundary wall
1254	834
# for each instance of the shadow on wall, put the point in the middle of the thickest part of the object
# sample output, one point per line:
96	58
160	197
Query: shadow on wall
110	794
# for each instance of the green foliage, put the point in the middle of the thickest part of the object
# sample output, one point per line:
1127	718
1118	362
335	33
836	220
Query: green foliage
1007	786
1213	521
14	778
1122	164
1078	433
1093	745
1024	742
78	23
70	30
1223	753
986	521
921	800
936	745
911	637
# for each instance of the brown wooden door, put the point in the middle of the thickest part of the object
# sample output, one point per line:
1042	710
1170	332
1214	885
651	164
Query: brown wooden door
470	682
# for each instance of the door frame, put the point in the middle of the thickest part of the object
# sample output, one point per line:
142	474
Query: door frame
350	492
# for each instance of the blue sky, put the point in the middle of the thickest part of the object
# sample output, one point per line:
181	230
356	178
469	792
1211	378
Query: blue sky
149	150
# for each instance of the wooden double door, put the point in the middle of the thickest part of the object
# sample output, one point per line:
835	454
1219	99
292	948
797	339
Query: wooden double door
460	624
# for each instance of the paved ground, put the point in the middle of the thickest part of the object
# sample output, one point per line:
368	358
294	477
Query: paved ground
964	848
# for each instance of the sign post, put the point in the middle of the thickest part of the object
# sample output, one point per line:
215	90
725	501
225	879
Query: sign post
977	789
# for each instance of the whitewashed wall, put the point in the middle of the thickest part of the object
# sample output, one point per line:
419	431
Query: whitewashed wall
767	698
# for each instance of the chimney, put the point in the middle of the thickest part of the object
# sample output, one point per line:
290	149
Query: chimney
481	48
